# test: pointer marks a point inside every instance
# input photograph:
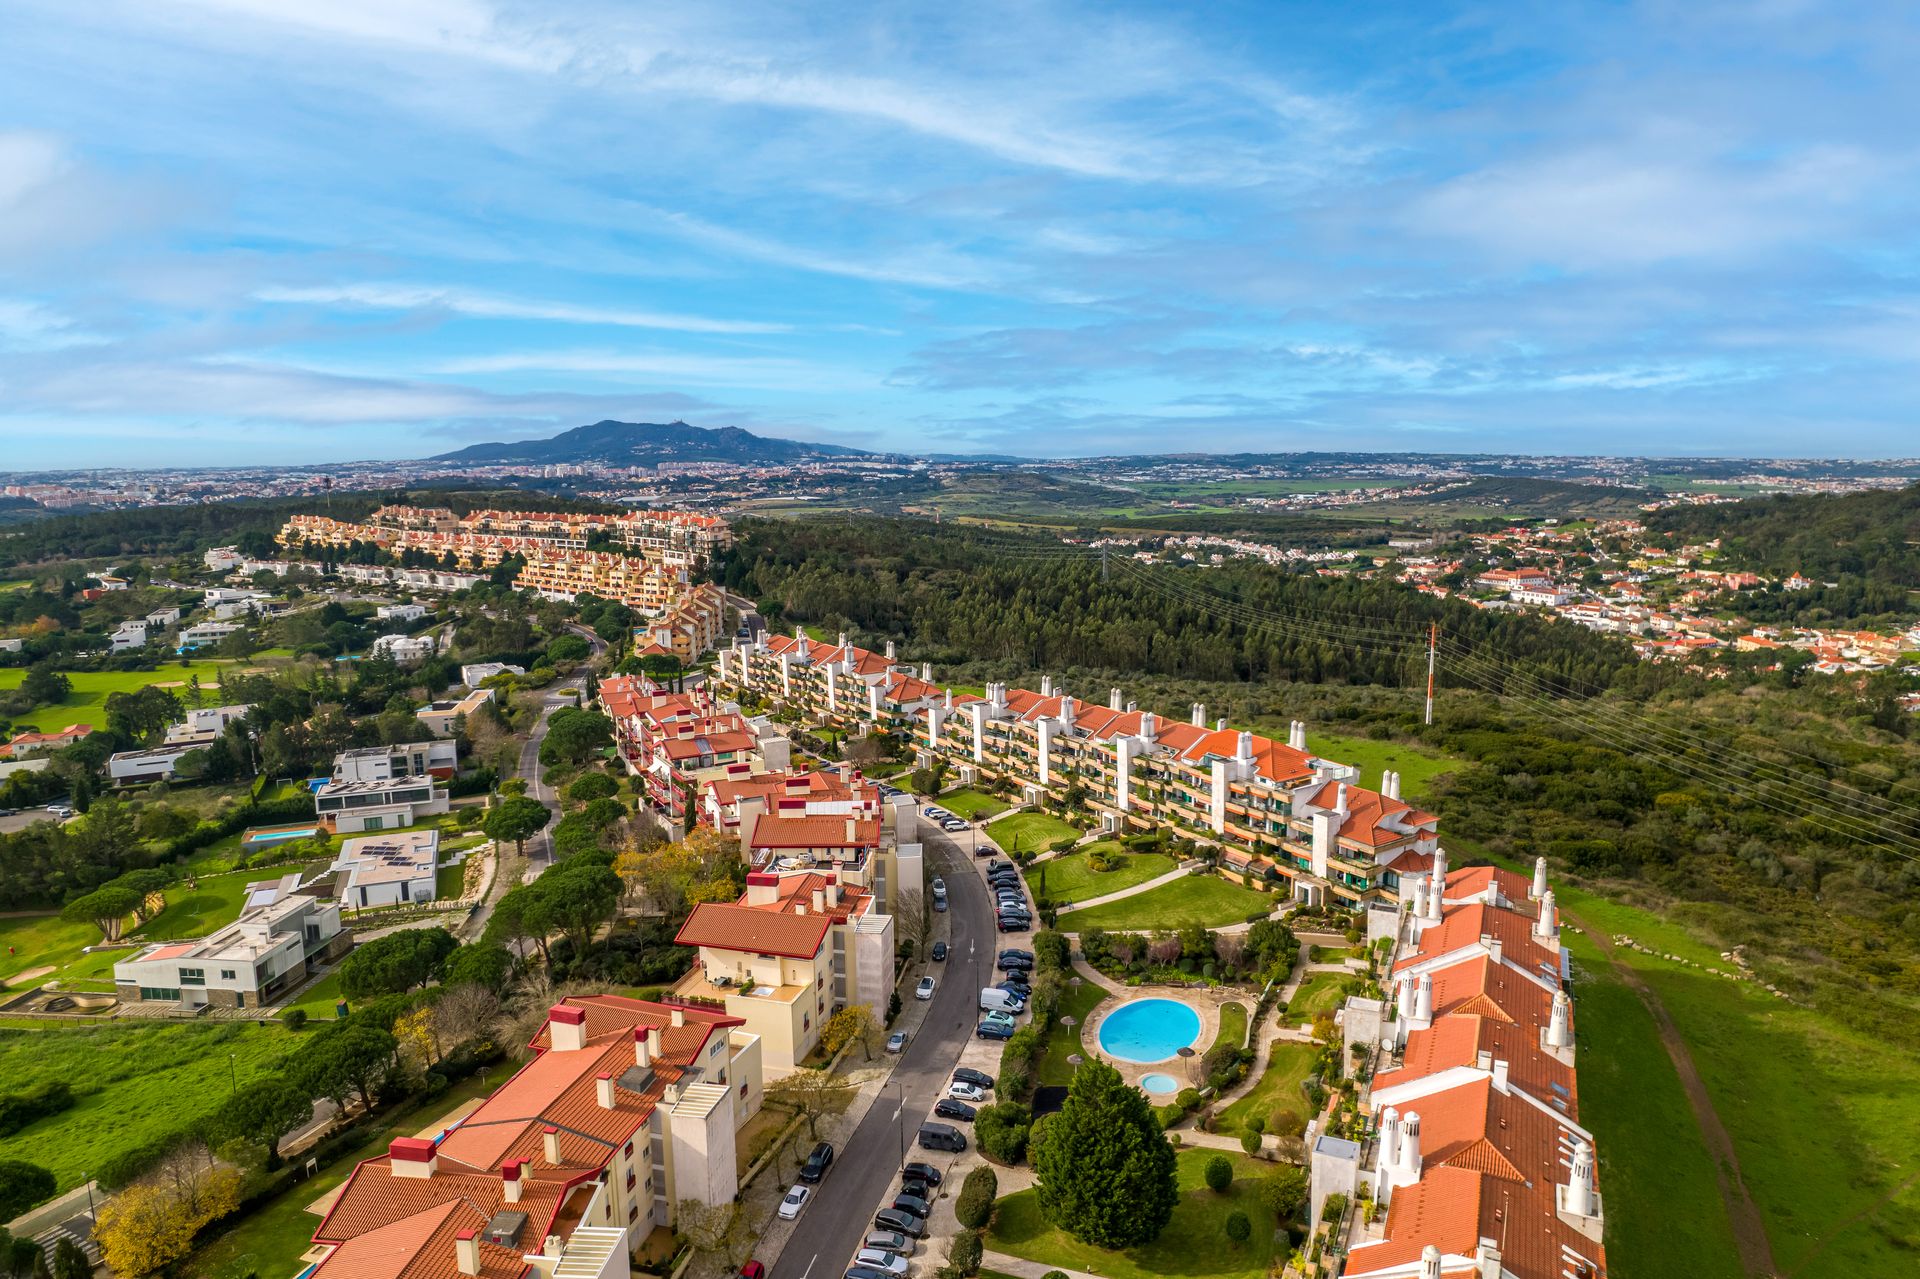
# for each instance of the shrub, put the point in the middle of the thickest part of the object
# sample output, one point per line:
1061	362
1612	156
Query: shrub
975	1203
1170	1114
1051	951
1286	1123
1187	1098
294	1018
1250	1141
963	1254
1238	1228
1219	1174
18	1109
591	786
1334	1208
1002	1130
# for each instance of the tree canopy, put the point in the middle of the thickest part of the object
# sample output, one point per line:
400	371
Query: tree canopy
396	963
1104	1171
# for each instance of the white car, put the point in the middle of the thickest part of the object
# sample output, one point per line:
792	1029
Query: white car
925	989
967	1092
796	1200
880	1259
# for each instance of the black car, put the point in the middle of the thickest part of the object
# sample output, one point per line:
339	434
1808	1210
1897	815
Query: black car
968	1075
1004	881
927	1172
912	1203
1015	925
992	1030
1011	963
939	951
996	864
918	1189
904	1223
941	1137
948	1108
1014	952
1018	989
817	1164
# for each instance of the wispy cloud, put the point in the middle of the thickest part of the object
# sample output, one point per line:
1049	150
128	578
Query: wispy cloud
416	297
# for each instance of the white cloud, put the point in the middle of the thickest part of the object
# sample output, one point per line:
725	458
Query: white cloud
766	374
420	297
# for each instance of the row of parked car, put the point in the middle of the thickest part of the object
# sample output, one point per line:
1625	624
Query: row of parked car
1010	904
945	820
1001	1003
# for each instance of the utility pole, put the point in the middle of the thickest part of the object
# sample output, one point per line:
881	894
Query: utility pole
1103	564
1433	644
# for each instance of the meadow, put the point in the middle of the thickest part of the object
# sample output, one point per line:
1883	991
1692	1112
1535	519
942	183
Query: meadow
86	702
1029	832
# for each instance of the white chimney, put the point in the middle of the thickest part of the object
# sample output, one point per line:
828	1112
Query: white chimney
679	1018
1409	1153
466	1251
1545	928
1500	1074
1113	699
1046	686
1199	715
1486	1260
819	901
843	639
1340	799
1406	1004
853	829
1430	1262
926	672
567	1027
1440	875
552	1144
1423	1000
1539	878
1496	949
890	652
1147	725
603	1089
1581	1199
1560	1027
1243	749
510	1179
1389	1148
1418	902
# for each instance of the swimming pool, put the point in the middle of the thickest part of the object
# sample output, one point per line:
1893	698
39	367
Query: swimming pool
1160	1085
1148	1030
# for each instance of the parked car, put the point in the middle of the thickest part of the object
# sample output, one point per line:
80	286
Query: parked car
897	1042
995	1029
968	1075
890	1240
904	1202
939	886
1011	963
796	1200
817	1164
905	1223
948	1108
754	1270
1014	952
941	1137
883	1260
924	990
967	1092
1014	924
866	1272
995	1000
1016	984
955	825
939	952
940	905
924	1172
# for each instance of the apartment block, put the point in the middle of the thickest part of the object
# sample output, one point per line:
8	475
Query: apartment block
640	584
626	1109
836	685
694	625
250	963
675	743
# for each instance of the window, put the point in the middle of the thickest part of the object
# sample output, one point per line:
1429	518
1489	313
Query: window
226	974
159	992
193	977
631	1179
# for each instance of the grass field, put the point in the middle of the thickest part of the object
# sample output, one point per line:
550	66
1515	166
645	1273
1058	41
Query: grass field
213	901
1069	878
1277	1089
1063	1041
318	1000
1029	831
1319	993
1194	1242
1197	899
268	1240
972	804
133	1082
86	703
40	941
1233	1026
449	881
1415	765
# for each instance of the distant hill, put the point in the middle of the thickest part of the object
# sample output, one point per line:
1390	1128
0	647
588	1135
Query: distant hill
1873	536
645	443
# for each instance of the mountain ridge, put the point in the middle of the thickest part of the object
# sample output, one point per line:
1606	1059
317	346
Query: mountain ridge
645	443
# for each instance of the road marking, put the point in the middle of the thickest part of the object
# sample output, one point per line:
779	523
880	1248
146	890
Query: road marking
809	1270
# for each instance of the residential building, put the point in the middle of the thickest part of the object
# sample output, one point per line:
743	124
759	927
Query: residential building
695	625
351	807
640	584
206	634
1514	579
387	870
161	618
400	612
12	645
405	650
1470	1135
152	764
223	559
479	672
204	723
418	580
127	636
437	759
33	743
627	1109
675	743
443	717
250	963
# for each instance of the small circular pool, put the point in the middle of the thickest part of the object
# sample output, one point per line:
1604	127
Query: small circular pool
1148	1030
1160	1085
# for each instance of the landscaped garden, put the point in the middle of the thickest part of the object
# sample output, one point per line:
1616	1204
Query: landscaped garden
1029	832
1194	1242
972	804
86	700
1207	900
1277	1090
1102	867
1319	993
1063	1041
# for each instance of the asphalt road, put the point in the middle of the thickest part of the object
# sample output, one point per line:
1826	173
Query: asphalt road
540	847
866	1170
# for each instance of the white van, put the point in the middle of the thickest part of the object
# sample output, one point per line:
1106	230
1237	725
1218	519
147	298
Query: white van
995	1000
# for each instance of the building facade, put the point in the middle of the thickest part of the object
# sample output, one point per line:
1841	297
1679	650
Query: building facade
251	963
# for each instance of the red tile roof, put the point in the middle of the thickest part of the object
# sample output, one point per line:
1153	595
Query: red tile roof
731	926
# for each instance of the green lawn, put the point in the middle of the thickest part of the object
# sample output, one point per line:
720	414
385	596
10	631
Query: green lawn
86	702
212	902
1319	993
1233	1026
450	881
1277	1089
1416	765
1064	1041
39	941
972	804
1029	831
134	1081
268	1241
1194	1242
319	999
1069	878
1197	899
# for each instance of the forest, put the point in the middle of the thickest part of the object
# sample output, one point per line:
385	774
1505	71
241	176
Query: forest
1859	540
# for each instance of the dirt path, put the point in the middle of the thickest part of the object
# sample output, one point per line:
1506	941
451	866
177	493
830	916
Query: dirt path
1749	1231
1842	1227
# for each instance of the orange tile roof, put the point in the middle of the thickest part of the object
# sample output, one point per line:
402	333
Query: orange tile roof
1367	814
421	1246
816	830
731	926
1458	1038
1463	926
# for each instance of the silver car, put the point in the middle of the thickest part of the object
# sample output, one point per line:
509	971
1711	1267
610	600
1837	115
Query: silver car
881	1259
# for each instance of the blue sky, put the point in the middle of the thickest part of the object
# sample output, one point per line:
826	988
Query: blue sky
279	230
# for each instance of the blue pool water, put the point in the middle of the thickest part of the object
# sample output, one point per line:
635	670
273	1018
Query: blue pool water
1160	1085
1149	1030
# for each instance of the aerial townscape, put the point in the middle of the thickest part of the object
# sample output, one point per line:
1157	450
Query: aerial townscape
1037	641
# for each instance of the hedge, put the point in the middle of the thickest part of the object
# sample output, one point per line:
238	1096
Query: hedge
975	1204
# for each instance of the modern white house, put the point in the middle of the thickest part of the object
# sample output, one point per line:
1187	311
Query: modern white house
204	723
353	807
434	759
442	716
248	964
387	870
206	634
221	559
161	618
129	635
473	676
405	650
154	764
400	612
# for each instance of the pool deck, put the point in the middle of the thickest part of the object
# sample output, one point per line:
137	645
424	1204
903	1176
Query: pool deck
1206	1002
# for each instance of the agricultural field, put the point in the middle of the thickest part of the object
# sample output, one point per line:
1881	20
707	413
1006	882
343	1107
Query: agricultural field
1070	878
1197	899
1029	831
134	1082
1194	1242
86	702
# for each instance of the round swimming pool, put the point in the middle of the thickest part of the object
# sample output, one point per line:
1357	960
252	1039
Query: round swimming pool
1148	1030
1160	1085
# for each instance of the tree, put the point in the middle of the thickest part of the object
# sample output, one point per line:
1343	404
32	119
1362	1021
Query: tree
143	713
577	897
1239	1229
1002	1130
1105	1172
1250	1141
465	1013
22	1185
396	963
265	1111
964	1253
913	919
1219	1174
591	786
515	821
854	1024
69	1262
977	1193
573	735
105	908
1334	1208
810	1092
18	1256
716	1230
143	1228
484	964
347	1060
1285	1191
